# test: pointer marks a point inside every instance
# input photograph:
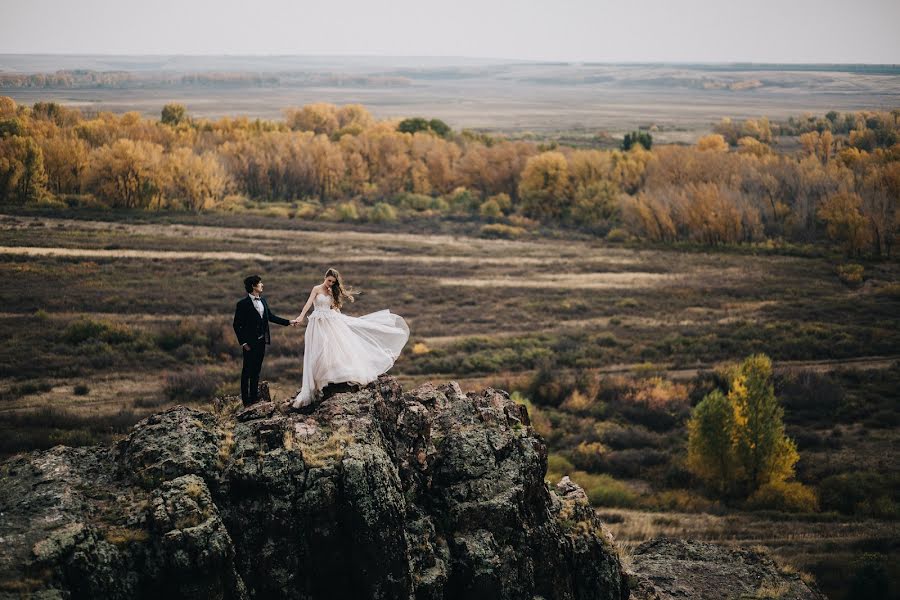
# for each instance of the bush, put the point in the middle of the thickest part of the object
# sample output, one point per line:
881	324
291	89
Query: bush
786	496
81	390
851	274
490	209
603	490
681	500
417	202
557	466
187	386
103	331
383	212
501	231
617	235
346	211
551	386
809	395
862	493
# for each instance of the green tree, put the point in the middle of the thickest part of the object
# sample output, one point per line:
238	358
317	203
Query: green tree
736	442
711	436
439	127
637	137
417	124
174	114
413	125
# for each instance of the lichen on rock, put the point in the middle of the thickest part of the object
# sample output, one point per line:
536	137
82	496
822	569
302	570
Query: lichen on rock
377	493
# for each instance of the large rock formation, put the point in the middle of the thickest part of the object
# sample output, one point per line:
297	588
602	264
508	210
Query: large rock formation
380	493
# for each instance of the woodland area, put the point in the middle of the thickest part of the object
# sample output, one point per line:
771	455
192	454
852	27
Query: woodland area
739	184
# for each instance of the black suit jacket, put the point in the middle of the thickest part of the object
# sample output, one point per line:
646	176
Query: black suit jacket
248	326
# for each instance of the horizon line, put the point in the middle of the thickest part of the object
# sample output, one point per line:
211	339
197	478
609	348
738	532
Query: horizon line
449	57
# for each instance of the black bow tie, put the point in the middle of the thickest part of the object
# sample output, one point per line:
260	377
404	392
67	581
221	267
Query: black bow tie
256	298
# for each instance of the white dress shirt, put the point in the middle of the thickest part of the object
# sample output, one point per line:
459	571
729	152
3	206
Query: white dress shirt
257	304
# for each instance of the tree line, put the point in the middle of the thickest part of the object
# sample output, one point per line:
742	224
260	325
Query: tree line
735	185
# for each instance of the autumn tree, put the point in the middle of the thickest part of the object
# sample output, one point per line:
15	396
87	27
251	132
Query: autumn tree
128	174
713	142
7	107
544	188
353	118
845	223
22	175
736	441
196	181
320	117
65	160
765	452
595	203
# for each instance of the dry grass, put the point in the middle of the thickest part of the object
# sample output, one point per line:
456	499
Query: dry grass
323	452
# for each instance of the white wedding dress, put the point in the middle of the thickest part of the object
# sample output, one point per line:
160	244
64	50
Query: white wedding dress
340	348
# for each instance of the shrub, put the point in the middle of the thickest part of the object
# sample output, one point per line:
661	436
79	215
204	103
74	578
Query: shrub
863	493
383	212
463	200
193	385
503	201
490	209
81	390
557	466
620	437
417	202
680	500
810	395
617	235
786	496
346	211
499	230
851	274
603	490
89	329
550	385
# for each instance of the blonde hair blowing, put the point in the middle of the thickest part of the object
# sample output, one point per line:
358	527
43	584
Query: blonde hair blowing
339	293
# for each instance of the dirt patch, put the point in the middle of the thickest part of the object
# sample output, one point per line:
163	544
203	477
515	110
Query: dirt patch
583	281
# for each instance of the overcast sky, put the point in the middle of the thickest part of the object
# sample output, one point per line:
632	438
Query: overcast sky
864	31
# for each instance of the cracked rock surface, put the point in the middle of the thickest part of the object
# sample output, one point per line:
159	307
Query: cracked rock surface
377	493
666	569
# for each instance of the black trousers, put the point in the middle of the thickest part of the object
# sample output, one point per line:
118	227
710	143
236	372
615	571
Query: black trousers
253	360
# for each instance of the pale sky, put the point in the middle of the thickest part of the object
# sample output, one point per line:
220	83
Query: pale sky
857	31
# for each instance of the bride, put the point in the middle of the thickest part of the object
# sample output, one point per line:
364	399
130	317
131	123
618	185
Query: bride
340	348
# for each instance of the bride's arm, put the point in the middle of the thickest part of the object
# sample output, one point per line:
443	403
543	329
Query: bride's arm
306	307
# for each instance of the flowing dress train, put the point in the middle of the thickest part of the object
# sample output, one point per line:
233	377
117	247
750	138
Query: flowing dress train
340	348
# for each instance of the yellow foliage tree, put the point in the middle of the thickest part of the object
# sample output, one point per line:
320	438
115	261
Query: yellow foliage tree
128	174
544	187
736	442
713	142
844	221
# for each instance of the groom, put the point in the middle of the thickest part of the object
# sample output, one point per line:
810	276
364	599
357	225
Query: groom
251	325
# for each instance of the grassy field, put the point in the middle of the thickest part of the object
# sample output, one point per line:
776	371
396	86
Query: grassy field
109	318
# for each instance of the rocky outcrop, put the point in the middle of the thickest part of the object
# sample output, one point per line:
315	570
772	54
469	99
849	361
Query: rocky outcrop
666	569
379	493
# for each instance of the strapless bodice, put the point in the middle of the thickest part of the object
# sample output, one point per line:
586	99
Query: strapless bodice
322	306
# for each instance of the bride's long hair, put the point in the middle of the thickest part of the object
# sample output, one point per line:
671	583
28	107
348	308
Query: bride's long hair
339	292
